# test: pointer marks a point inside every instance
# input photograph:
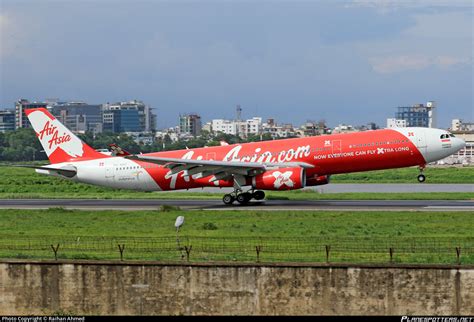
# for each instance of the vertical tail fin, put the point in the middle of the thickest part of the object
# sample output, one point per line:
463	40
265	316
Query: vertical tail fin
59	143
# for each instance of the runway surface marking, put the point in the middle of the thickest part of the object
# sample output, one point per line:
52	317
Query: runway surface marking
268	205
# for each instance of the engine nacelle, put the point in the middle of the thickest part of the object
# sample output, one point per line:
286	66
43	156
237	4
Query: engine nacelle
280	179
317	180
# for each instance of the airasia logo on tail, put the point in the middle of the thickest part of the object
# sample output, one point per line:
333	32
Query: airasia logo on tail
53	135
52	131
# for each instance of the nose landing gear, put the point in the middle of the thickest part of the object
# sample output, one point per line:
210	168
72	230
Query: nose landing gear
421	177
243	197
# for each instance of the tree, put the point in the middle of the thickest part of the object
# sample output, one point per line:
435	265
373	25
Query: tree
259	137
21	145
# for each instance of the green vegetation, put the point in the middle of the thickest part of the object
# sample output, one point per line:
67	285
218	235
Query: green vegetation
26	183
20	145
59	221
418	237
408	175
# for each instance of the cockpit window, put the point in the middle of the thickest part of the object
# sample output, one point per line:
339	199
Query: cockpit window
446	136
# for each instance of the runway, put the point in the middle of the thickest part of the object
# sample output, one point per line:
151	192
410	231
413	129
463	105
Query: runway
267	205
364	187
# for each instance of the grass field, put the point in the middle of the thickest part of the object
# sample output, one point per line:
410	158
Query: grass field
25	183
415	237
408	175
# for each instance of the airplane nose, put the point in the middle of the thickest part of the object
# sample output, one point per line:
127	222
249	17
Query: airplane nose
460	144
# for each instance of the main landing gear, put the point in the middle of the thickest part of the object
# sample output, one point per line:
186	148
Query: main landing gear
243	197
421	177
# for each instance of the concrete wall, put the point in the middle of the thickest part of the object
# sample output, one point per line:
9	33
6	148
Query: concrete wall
158	288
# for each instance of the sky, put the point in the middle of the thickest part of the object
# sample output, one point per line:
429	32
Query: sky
350	62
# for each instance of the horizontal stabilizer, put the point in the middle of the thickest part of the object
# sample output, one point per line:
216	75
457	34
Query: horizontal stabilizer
66	171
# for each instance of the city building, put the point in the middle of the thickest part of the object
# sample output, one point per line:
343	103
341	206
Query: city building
131	116
7	121
392	123
121	120
343	128
253	126
418	115
278	131
170	133
141	138
207	127
312	128
79	117
21	121
190	124
465	131
240	128
369	127
223	126
459	125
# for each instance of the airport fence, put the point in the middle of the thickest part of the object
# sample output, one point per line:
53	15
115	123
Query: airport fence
243	249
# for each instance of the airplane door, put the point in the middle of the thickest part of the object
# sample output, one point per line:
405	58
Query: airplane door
110	173
336	146
420	140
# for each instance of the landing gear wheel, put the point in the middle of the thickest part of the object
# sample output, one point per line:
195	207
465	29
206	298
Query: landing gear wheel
421	178
244	198
258	195
228	199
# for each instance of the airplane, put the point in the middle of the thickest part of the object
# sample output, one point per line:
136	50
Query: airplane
248	168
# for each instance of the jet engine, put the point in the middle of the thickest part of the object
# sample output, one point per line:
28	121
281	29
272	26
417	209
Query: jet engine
280	179
317	180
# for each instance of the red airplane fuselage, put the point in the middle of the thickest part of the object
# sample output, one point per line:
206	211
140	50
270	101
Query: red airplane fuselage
329	154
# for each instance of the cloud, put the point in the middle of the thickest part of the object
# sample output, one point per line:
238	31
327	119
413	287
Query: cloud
270	57
402	63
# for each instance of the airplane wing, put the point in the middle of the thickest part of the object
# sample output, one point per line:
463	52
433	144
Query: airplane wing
221	169
66	171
